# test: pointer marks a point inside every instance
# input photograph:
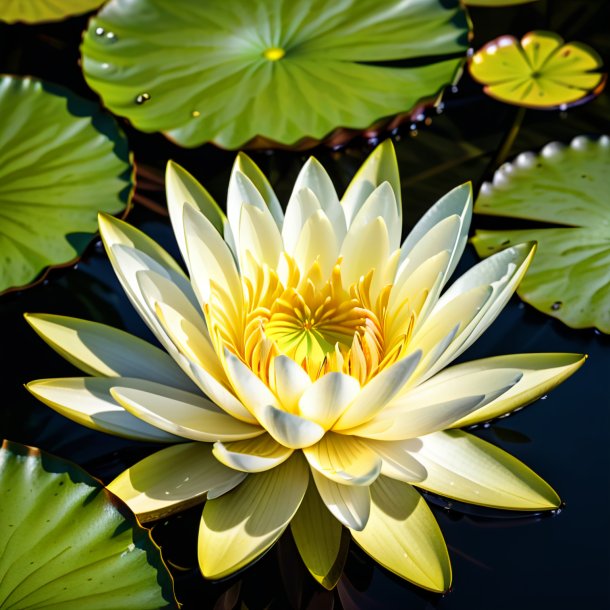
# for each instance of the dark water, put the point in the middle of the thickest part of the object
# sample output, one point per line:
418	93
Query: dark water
500	561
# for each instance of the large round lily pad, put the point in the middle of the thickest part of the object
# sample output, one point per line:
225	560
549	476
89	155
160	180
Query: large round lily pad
61	161
37	11
68	544
569	278
280	70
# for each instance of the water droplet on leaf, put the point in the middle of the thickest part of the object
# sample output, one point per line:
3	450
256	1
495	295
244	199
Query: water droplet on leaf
556	305
143	97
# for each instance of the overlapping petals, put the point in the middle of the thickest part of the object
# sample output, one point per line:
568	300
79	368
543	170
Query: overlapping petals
306	378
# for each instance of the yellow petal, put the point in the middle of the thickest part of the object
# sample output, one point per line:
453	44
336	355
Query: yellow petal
290	430
317	242
254	455
258	235
320	539
344	459
466	468
350	504
98	349
325	400
87	401
397	462
403	536
242	524
187	415
541	373
290	381
171	480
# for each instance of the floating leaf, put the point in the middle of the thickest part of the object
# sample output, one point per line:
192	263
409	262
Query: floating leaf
569	278
280	70
61	161
68	544
540	71
37	11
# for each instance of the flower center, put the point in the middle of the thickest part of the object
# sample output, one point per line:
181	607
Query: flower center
274	53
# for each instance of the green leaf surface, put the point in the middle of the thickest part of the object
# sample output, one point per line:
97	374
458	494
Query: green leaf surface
569	277
280	70
61	161
68	544
38	11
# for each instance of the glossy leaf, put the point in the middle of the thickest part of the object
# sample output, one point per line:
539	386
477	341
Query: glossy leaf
61	161
229	72
69	544
539	71
38	11
569	277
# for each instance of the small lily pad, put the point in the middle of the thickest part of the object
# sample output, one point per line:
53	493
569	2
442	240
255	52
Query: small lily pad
280	70
538	71
38	11
61	161
67	543
569	277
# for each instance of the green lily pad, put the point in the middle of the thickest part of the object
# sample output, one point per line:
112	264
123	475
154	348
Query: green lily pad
38	11
538	71
67	543
280	70
569	277
61	161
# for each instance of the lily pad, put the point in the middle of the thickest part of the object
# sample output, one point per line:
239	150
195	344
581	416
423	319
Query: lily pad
38	11
61	161
67	543
278	70
539	71
569	277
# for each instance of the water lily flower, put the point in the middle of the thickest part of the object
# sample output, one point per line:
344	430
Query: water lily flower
307	379
540	71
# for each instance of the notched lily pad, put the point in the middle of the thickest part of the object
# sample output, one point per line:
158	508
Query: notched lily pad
39	11
61	161
569	277
276	72
538	71
68	544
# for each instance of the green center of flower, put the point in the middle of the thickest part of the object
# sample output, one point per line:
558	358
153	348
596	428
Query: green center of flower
274	53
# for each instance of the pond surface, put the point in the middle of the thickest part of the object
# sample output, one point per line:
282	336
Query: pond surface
500	561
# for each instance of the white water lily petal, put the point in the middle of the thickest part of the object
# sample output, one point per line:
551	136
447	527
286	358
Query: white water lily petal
350	504
302	205
253	455
457	202
315	178
403	536
182	189
321	540
259	236
289	382
241	191
98	349
381	203
503	275
466	468
376	394
171	480
242	524
317	242
358	261
87	401
397	462
182	413
380	166
344	459
248	168
436	404
210	260
253	393
326	399
541	373
290	430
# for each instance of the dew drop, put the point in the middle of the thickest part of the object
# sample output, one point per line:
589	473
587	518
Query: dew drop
563	107
556	305
544	397
143	97
111	37
440	108
454	89
99	31
195	114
